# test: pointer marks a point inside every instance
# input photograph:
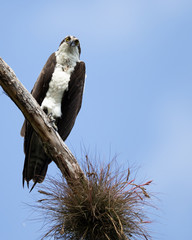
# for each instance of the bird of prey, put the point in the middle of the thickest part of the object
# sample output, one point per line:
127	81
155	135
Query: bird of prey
59	91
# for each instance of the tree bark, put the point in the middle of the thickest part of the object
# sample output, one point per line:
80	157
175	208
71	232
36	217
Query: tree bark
53	144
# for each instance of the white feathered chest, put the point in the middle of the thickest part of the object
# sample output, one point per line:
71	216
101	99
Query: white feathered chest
65	64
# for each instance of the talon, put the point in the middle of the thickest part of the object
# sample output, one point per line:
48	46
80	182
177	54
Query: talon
54	126
53	121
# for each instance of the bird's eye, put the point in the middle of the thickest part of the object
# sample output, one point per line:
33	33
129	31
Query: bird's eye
76	42
67	39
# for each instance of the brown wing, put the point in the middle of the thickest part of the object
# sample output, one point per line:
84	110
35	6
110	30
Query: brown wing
72	99
41	86
36	161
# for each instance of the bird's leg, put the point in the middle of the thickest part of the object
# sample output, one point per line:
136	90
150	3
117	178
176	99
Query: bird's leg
53	121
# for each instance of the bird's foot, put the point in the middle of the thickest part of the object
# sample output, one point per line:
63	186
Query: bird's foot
53	121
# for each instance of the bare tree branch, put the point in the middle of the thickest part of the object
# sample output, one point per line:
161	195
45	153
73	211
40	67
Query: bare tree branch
52	142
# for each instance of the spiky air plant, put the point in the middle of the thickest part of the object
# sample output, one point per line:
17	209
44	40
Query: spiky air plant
110	207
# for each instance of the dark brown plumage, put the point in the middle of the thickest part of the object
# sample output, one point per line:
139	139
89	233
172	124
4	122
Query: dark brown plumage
36	160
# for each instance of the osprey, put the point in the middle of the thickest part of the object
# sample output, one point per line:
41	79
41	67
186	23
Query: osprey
59	91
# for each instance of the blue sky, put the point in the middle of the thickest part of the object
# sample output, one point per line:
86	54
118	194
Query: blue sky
137	99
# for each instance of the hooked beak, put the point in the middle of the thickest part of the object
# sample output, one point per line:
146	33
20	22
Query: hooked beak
72	43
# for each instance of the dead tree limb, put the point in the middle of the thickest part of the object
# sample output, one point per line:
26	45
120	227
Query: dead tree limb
53	144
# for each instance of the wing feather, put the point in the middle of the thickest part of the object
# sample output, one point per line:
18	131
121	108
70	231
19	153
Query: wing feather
31	170
41	86
72	100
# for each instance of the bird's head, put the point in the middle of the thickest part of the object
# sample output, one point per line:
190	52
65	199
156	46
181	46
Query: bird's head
70	44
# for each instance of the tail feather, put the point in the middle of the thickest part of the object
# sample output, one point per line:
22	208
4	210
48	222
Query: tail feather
40	178
36	162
